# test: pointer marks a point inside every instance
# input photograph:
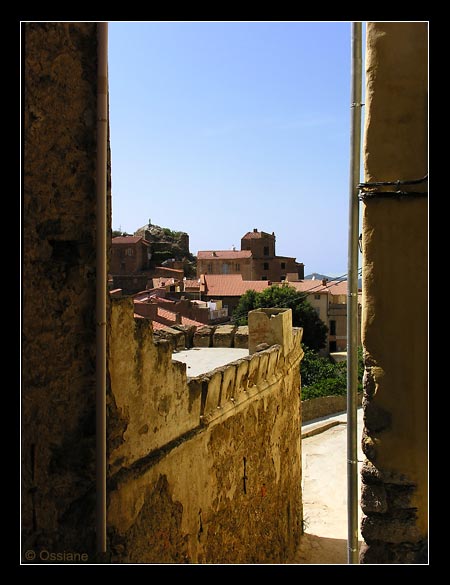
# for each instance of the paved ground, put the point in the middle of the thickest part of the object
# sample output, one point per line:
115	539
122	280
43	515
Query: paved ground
325	491
200	360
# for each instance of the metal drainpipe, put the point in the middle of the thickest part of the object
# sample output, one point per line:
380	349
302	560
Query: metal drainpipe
102	133
352	309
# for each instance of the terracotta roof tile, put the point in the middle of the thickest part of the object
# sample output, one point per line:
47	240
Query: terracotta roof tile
171	316
223	254
128	240
173	271
188	283
159	326
161	281
231	285
334	287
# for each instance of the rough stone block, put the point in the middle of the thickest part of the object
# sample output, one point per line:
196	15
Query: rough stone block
376	418
382	553
271	326
188	331
399	496
372	474
399	526
369	446
241	337
175	338
224	336
203	336
373	499
368	382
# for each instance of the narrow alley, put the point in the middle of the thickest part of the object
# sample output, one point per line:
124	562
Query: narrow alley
324	487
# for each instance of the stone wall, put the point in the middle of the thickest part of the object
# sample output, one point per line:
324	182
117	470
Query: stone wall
325	405
394	322
58	284
207	471
131	283
220	336
197	472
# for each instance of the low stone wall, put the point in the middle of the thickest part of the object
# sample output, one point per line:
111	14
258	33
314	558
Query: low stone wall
206	470
226	335
324	406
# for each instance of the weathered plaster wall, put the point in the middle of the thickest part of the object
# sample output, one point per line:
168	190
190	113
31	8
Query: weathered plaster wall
270	326
58	284
394	326
207	471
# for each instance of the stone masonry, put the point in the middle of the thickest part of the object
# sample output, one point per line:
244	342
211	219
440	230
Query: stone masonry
58	354
206	470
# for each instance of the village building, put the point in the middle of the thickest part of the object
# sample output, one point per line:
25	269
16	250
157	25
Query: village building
329	299
256	260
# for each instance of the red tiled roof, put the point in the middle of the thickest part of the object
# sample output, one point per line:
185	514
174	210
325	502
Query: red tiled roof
173	271
157	325
171	316
223	254
188	283
337	287
128	240
161	281
334	287
231	285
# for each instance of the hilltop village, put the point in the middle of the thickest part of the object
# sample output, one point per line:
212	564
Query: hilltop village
182	294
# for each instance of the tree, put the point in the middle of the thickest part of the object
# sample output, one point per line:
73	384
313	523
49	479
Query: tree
303	314
321	376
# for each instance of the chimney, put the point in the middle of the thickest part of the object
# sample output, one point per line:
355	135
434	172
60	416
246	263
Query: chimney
255	230
324	281
178	318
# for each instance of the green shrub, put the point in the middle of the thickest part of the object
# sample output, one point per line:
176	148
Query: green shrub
321	376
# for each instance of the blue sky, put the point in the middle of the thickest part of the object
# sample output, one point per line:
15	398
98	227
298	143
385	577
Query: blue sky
221	127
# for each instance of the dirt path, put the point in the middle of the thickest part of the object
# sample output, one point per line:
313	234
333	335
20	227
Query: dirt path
325	495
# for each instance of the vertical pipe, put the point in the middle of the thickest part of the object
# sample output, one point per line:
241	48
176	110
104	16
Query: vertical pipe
352	304
102	129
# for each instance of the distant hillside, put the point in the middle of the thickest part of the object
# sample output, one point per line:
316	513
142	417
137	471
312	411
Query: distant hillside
318	276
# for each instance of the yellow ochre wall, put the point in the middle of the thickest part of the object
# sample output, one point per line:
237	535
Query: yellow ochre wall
395	301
